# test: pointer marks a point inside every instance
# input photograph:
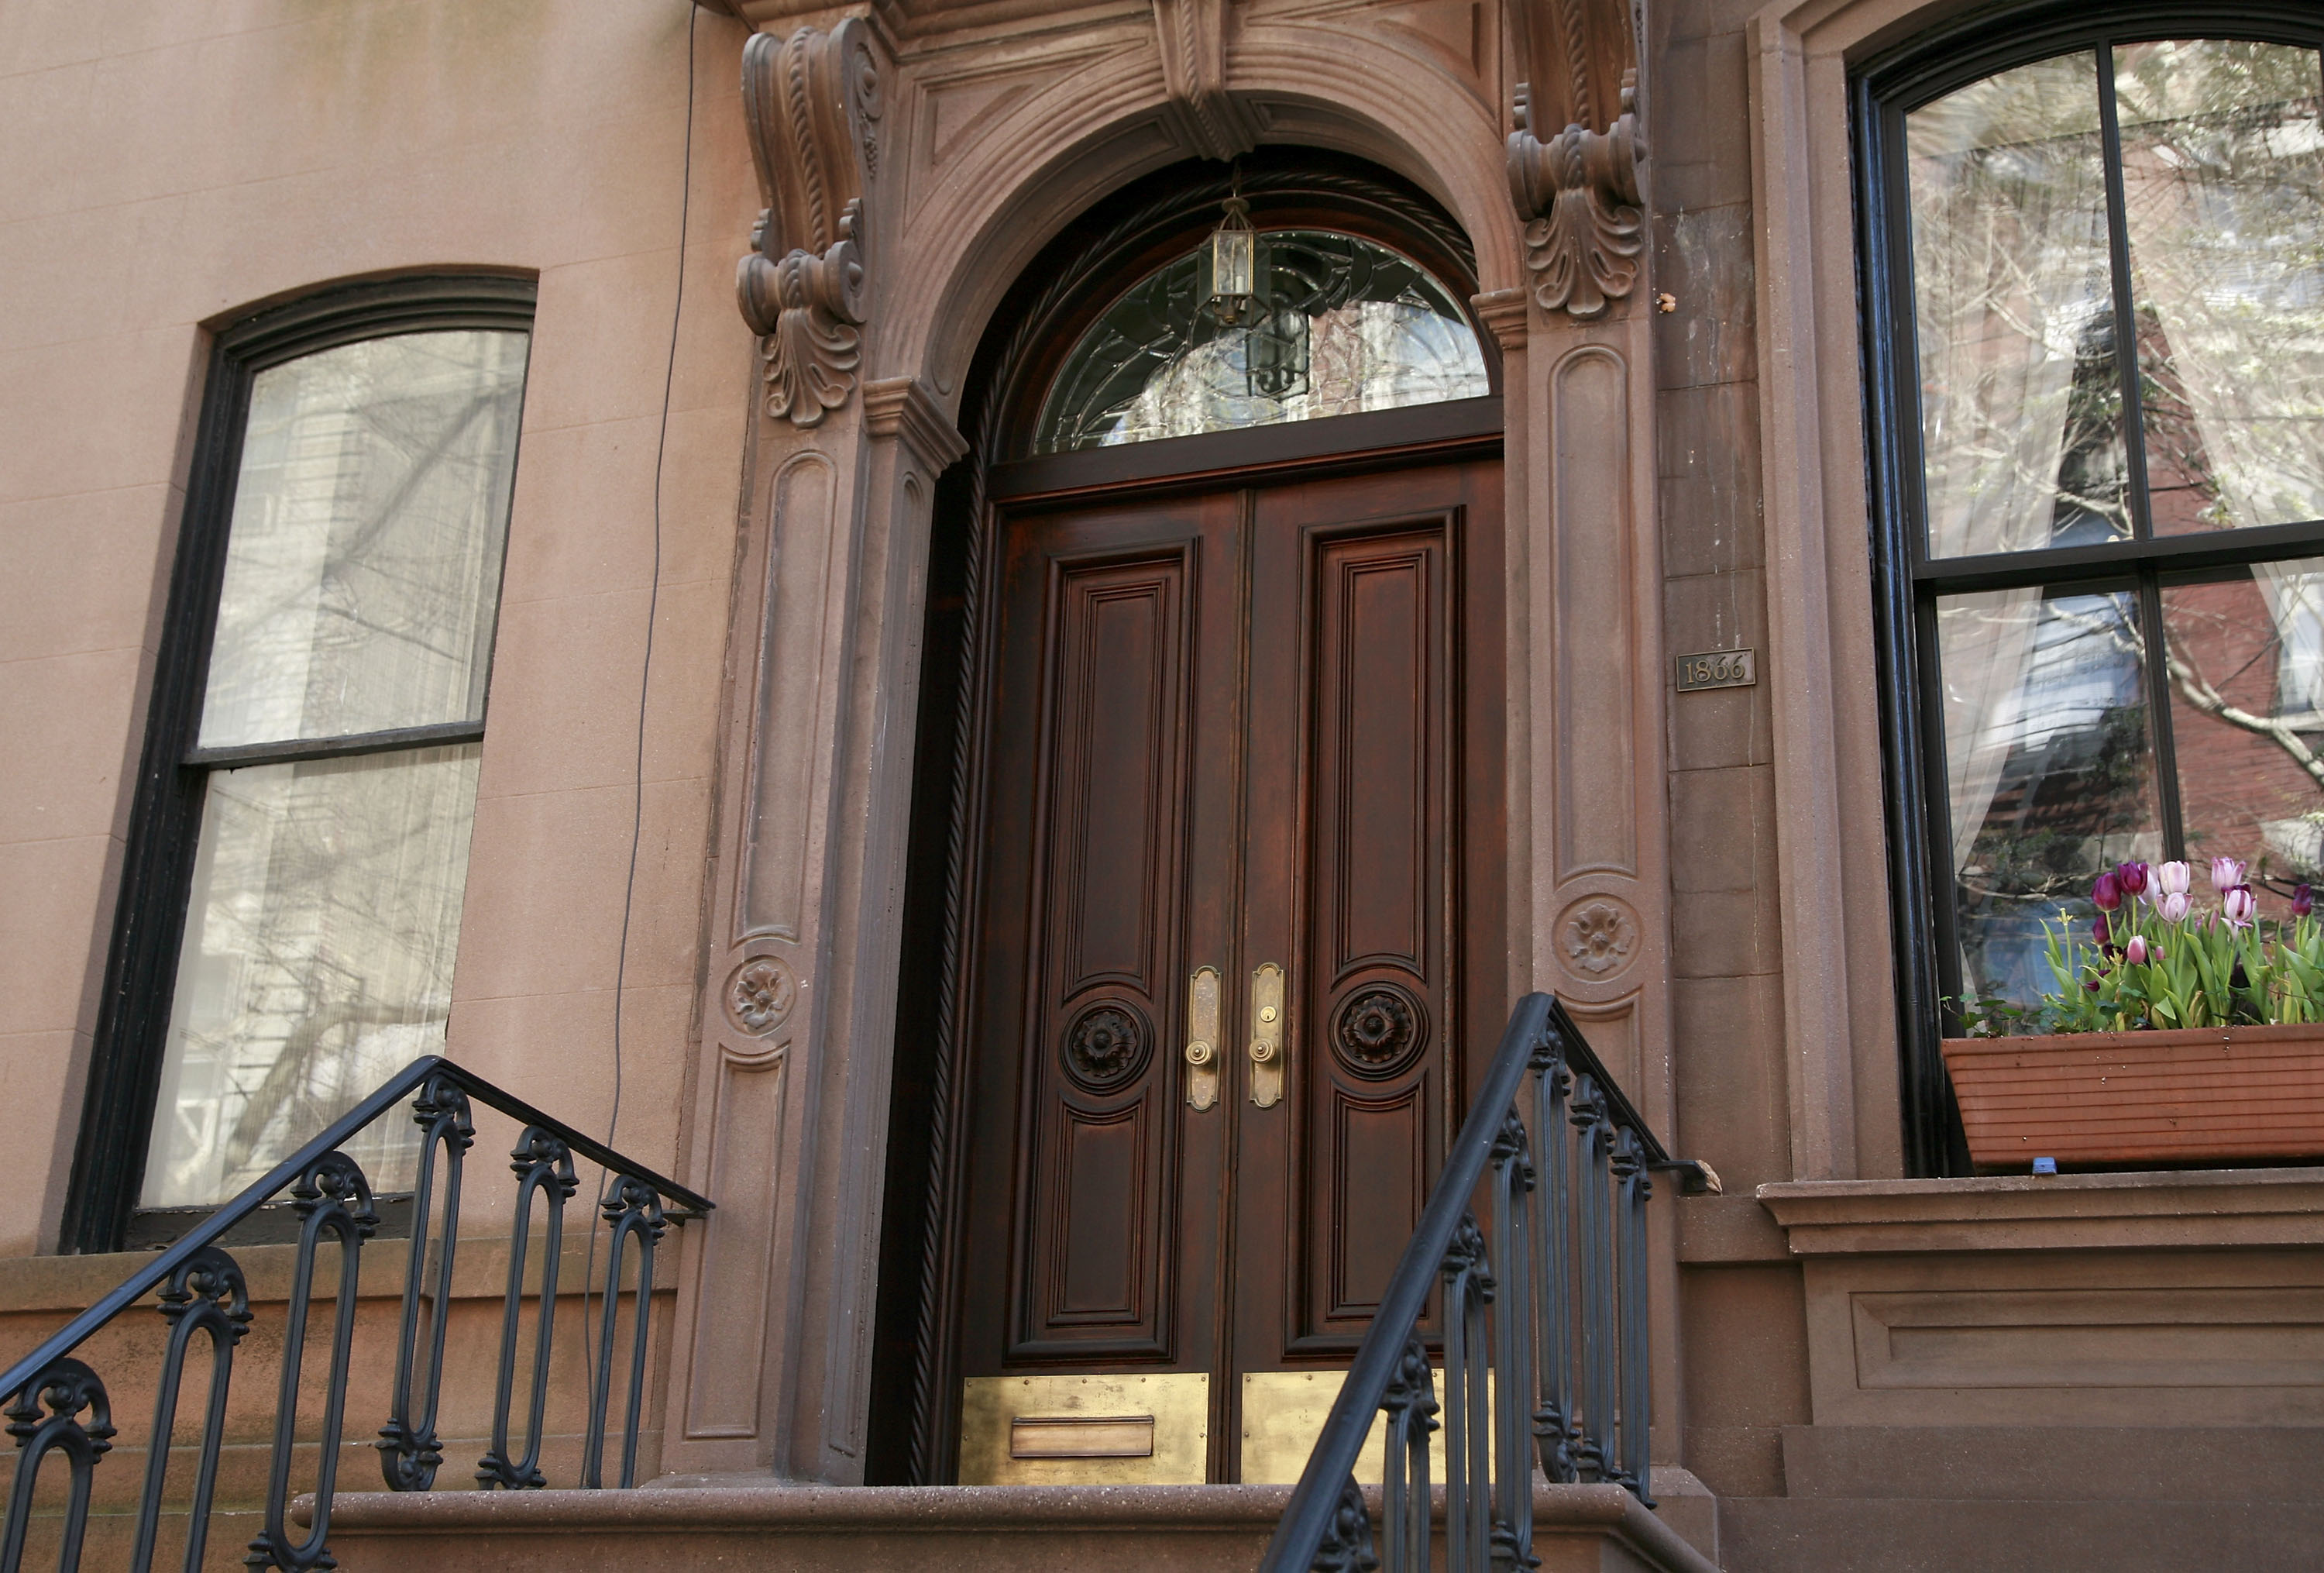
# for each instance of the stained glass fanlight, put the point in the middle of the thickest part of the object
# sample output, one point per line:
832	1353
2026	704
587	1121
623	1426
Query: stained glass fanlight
1327	324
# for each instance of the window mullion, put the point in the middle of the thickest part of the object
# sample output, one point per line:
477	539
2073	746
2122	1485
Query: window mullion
2126	320
2158	707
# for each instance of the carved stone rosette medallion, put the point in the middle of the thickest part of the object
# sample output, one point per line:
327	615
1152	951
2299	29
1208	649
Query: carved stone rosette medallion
1378	1028
1599	936
761	994
813	102
1107	1045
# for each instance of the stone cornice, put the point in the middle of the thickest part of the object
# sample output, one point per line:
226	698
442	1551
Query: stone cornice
2188	1210
902	408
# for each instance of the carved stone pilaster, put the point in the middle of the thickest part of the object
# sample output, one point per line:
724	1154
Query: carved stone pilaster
1577	188
1209	120
812	102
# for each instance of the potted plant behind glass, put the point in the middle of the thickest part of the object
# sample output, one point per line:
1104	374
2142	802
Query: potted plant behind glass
2174	1036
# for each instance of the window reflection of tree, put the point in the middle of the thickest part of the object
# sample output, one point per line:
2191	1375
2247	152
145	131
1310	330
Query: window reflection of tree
2075	792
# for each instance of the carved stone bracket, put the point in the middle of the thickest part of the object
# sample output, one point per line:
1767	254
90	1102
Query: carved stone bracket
1577	188
1208	119
812	103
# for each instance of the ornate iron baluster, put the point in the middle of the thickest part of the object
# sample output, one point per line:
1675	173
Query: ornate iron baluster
1553	1427
65	1387
633	1210
206	1294
1513	1394
1347	1546
409	1449
1468	1399
541	1162
331	1195
1411	1405
1594	1454
1630	1236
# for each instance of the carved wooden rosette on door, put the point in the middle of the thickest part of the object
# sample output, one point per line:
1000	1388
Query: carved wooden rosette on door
812	103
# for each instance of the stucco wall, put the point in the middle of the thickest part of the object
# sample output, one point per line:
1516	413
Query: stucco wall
173	165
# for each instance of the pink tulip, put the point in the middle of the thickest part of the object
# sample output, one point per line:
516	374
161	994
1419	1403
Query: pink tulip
2107	892
2226	873
2135	951
2239	906
2173	908
2173	878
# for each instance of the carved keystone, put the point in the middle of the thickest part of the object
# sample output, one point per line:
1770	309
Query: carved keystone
812	103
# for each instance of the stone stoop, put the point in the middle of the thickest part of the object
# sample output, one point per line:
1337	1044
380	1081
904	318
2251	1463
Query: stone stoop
2035	1499
826	1529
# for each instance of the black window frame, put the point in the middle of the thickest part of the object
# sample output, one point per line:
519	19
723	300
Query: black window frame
1906	582
123	1082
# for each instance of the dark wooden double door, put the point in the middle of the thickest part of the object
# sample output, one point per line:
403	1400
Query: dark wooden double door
1253	731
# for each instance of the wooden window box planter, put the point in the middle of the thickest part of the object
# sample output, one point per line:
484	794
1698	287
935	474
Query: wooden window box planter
2216	1094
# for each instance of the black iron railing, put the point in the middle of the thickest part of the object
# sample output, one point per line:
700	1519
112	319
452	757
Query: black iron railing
57	1404
1542	1325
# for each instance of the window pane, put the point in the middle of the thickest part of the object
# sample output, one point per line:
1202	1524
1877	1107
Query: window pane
317	963
2223	190
2248	720
1353	327
2021	402
2050	773
364	554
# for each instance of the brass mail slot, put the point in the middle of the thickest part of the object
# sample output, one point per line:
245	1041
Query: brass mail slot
1127	1436
1114	1429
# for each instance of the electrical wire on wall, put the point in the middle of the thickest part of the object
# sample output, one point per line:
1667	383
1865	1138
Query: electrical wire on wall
645	677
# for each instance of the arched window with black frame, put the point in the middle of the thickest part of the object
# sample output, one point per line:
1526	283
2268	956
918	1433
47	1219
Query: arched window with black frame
297	849
2093	267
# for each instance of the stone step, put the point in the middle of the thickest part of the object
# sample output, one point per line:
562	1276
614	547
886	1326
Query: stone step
2060	1464
1991	1535
976	1529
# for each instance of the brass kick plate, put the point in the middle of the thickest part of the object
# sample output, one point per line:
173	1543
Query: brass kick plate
1085	1431
1283	1413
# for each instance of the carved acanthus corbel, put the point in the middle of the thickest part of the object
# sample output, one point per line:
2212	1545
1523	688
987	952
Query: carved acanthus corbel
1213	122
812	103
1577	188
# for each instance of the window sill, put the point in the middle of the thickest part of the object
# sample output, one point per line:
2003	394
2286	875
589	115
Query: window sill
2157	1209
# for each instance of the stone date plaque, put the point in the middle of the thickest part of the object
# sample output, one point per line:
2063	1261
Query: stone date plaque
1718	669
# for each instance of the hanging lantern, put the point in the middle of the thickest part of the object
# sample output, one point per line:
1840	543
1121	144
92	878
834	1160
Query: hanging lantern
1232	289
1275	353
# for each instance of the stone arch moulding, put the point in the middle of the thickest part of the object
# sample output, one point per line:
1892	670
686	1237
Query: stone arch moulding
912	166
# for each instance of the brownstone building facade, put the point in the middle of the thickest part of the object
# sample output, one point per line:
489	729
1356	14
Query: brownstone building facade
850	750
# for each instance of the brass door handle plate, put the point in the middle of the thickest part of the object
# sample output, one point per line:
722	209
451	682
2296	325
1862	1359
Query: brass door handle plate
1203	994
1266	1035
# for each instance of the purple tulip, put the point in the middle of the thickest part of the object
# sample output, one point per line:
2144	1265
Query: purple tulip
2101	932
2107	891
2239	906
2133	876
2173	908
2226	873
2173	878
2135	951
2303	900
